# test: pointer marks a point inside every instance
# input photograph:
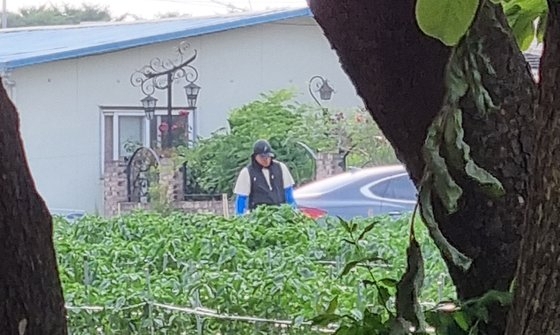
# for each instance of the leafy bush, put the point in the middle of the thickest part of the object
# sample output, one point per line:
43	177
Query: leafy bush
353	131
216	161
274	264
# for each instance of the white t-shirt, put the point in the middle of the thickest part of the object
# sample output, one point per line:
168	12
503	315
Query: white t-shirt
243	184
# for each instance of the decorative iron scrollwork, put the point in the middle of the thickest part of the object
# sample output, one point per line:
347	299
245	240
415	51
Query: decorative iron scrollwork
160	74
141	172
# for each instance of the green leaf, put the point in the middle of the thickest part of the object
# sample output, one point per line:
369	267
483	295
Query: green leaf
408	288
332	306
352	264
456	84
366	230
349	266
444	185
325	319
521	15
344	224
448	251
383	295
524	31
461	319
460	157
493	296
446	20
389	282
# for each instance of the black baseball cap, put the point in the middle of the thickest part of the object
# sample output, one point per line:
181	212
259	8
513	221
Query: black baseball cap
262	147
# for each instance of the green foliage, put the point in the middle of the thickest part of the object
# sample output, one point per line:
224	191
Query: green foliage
273	263
410	286
216	160
354	131
449	20
446	20
445	152
522	15
452	317
57	15
466	318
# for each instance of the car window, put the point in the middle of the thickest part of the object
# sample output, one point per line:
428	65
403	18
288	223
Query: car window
381	189
400	188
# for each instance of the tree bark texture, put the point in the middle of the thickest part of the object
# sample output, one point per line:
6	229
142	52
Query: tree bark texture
31	300
399	73
536	306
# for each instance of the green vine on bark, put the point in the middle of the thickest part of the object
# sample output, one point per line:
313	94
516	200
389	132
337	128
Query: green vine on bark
446	154
445	149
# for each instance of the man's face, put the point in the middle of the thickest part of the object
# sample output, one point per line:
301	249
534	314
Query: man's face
264	160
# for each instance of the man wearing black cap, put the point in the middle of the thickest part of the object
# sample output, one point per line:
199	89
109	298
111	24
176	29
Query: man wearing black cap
264	181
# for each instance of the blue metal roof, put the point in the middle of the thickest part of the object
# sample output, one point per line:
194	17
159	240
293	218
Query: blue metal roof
28	46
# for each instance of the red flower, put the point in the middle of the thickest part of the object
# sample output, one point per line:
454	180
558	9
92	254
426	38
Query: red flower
183	112
163	127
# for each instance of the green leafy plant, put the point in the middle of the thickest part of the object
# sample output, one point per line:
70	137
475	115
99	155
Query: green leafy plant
353	132
274	264
289	127
217	160
449	20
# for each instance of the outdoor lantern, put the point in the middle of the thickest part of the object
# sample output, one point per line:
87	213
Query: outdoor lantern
149	104
191	90
325	91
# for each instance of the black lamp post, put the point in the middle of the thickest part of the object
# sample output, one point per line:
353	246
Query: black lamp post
322	86
161	75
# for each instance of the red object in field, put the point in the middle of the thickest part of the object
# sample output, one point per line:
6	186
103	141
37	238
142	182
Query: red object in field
313	213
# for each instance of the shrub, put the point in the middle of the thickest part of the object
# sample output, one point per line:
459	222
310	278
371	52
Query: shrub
215	162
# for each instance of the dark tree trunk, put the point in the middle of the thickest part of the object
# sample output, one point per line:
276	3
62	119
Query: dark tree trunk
536	307
30	291
399	72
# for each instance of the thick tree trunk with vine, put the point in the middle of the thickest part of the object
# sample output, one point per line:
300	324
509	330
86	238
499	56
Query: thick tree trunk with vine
30	290
536	306
399	73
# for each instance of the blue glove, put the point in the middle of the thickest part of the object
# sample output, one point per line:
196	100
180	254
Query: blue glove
241	202
289	195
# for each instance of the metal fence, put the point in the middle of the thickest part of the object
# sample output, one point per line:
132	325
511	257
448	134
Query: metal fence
193	191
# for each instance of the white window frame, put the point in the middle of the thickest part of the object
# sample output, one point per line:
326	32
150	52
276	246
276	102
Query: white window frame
159	115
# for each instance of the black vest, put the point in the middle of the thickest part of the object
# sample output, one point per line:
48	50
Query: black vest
261	193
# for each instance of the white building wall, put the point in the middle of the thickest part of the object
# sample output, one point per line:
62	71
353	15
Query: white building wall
59	102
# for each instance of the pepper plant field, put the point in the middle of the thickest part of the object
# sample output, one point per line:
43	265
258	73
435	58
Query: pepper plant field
145	273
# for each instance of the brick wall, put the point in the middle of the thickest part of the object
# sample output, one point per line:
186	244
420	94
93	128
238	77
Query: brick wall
115	186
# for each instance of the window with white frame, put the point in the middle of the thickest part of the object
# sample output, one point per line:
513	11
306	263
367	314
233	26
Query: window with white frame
125	130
